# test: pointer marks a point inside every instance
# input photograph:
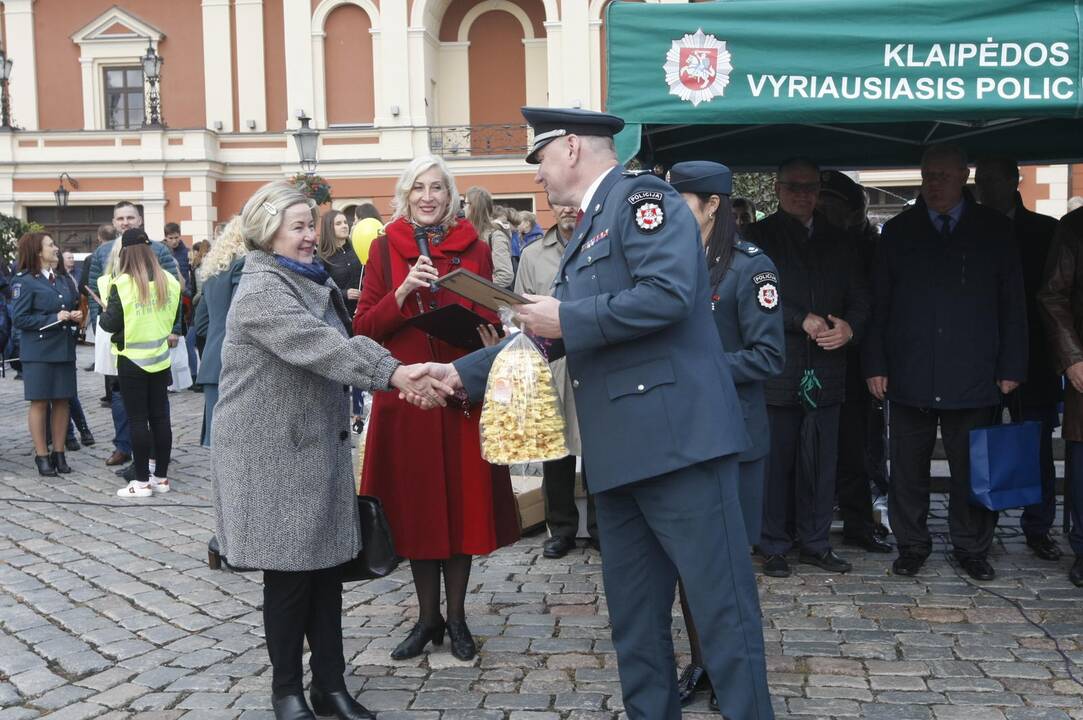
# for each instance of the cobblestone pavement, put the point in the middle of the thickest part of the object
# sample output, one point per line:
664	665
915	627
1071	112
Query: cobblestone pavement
111	612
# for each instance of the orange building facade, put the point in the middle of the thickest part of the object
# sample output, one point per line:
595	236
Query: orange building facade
383	81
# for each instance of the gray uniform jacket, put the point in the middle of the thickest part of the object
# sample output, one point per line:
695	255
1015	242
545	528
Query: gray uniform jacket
538	267
210	319
282	472
653	391
746	310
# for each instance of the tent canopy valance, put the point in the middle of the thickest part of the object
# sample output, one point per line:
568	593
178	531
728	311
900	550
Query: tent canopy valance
853	83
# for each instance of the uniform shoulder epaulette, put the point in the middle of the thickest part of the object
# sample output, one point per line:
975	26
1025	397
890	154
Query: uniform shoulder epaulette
748	248
635	173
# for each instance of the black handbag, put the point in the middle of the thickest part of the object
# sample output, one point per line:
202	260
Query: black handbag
377	558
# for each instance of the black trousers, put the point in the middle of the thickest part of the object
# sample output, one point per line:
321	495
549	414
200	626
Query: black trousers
299	605
1037	520
913	435
561	512
852	484
799	496
146	402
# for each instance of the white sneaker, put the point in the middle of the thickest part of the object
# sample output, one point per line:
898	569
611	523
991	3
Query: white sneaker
135	489
159	485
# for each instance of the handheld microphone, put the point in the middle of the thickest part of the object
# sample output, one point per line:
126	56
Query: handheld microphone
421	237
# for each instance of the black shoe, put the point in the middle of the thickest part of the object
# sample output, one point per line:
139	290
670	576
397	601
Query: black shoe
1044	547
358	426
869	543
880	530
557	546
86	436
197	388
71	443
291	707
89	368
714	701
59	462
19	375
45	465
420	636
692	679
338	704
977	568
105	403
463	646
827	560
907	565
1076	574
128	473
776	566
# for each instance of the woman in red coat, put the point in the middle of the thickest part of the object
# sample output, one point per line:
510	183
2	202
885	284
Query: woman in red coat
444	502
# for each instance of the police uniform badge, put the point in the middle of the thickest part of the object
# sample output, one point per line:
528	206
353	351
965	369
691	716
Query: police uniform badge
16	291
766	284
648	211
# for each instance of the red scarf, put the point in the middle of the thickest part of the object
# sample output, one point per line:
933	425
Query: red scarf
400	236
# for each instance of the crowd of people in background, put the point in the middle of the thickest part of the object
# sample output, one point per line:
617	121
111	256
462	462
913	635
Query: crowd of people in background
960	306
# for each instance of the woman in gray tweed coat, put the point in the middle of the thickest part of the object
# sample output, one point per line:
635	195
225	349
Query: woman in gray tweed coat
283	478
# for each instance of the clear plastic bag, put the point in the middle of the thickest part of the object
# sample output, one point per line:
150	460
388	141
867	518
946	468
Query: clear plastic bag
521	418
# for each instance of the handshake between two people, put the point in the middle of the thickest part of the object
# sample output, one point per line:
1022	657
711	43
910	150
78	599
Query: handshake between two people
426	385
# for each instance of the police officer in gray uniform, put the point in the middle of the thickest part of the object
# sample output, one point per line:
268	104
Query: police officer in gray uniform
658	413
744	301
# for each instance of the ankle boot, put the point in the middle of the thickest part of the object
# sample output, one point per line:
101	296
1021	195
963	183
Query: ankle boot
462	642
338	704
420	636
59	463
45	465
71	443
84	434
291	707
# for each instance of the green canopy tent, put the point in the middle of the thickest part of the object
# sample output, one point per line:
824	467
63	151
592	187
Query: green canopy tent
851	83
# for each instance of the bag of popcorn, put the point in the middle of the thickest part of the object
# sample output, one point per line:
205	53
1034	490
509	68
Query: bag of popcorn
521	418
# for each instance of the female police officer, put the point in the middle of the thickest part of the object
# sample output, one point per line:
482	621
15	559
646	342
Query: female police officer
744	302
46	310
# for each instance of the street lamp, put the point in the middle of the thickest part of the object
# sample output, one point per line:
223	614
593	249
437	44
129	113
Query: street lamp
307	139
152	72
5	99
61	193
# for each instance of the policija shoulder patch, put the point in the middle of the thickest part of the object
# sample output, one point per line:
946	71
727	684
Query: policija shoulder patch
647	210
766	285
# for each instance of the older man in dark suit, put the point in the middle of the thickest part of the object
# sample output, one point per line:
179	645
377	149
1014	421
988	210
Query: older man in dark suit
997	179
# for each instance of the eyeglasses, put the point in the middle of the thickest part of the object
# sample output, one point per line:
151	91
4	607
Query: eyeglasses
809	188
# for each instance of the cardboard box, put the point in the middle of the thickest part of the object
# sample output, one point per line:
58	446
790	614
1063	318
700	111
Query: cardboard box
529	498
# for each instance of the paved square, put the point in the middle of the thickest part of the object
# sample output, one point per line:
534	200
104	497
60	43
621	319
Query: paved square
108	610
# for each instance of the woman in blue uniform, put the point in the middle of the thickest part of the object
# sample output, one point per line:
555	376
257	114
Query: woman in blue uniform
45	309
745	301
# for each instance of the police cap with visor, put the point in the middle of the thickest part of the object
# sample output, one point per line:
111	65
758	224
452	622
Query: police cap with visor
552	123
702	177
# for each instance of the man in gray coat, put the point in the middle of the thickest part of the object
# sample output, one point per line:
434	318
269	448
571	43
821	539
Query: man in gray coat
659	416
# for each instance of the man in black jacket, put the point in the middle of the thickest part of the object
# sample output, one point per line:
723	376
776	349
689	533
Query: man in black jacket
997	179
825	306
947	339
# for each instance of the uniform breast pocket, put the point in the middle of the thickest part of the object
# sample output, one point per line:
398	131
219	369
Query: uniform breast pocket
591	265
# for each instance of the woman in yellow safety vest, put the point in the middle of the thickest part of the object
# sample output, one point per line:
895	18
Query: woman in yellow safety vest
141	311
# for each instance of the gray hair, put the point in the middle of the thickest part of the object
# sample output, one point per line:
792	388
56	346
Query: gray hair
262	214
400	204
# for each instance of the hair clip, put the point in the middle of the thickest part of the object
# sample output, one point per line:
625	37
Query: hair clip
270	209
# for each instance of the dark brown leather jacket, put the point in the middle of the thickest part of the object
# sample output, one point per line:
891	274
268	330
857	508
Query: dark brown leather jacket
1061	299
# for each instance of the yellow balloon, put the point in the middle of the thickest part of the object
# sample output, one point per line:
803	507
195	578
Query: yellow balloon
364	232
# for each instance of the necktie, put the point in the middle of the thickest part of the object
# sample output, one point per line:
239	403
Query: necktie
52	278
945	226
579	216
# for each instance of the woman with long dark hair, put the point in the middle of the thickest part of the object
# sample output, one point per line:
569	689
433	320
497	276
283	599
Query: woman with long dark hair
45	309
745	302
141	308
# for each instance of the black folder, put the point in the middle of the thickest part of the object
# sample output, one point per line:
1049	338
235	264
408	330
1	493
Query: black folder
454	324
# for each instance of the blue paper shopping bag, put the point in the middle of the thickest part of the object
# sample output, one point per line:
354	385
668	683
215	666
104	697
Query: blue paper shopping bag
1004	465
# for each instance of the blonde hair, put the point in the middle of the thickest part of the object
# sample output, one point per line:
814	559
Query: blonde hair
229	246
141	264
479	211
400	204
262	214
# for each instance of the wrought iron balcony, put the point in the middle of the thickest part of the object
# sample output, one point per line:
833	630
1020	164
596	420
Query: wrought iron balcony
455	141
